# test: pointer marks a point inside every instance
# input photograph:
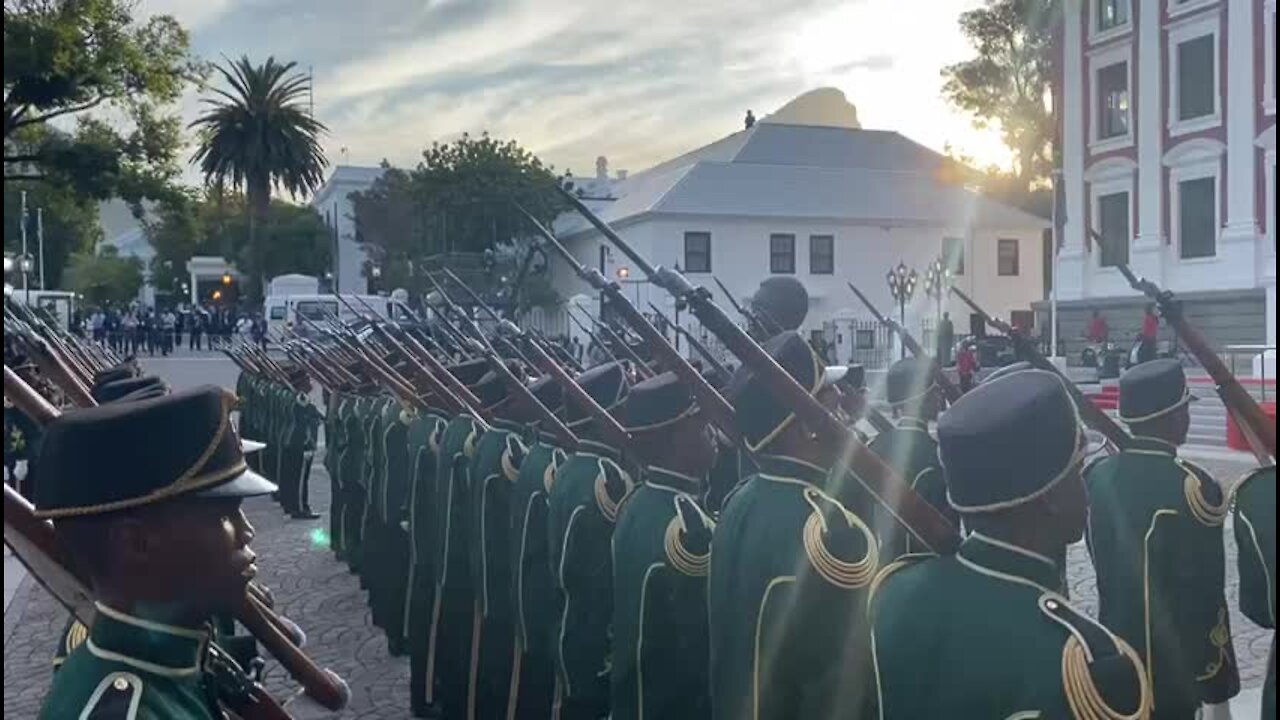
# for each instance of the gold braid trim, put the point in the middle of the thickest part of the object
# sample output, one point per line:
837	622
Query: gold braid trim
433	440
1085	701
509	468
549	472
838	572
407	414
76	635
606	504
1219	638
684	561
1204	511
469	445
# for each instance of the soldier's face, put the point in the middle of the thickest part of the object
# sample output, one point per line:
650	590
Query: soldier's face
200	553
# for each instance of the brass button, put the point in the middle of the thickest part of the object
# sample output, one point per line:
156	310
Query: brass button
120	684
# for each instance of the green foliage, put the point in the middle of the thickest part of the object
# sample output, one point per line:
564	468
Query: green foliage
1008	82
70	225
105	278
295	238
462	198
258	135
75	58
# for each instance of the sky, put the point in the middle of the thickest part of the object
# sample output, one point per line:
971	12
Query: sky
635	81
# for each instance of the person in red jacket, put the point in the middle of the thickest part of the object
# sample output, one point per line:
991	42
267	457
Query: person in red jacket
967	366
1147	340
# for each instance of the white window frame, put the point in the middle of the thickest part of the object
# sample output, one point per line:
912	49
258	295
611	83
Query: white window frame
1177	9
1266	141
1099	59
1269	42
1108	177
1192	160
1180	32
1097	35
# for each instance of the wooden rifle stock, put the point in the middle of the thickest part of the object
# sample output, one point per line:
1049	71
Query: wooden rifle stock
948	388
923	520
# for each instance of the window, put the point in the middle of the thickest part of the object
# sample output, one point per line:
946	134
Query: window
277	312
953	254
782	253
1113	226
864	339
316	309
1198	217
697	252
822	255
1269	84
1007	257
1112	14
1195	87
1113	101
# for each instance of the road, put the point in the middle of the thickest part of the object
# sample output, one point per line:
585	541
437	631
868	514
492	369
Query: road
325	600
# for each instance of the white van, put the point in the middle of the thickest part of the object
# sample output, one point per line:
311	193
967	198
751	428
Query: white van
293	311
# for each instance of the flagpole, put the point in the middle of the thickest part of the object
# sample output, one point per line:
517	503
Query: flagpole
1053	278
40	243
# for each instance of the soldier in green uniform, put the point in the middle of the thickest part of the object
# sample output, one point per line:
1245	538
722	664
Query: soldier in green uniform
791	565
422	442
909	449
353	477
532	591
986	632
582	509
391	512
165	546
374	568
337	444
298	439
449	653
1255	531
1155	534
661	552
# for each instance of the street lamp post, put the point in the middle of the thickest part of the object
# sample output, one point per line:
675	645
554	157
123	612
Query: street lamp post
26	264
902	285
937	279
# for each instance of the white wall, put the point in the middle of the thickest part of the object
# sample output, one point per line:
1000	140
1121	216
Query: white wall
332	200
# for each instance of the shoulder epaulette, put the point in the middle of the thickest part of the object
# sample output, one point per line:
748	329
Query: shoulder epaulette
612	486
433	438
1204	497
883	574
512	457
1102	676
833	533
558	457
75	635
469	446
117	697
688	538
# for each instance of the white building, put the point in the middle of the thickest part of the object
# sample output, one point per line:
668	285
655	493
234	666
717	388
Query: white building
333	201
1168	131
819	198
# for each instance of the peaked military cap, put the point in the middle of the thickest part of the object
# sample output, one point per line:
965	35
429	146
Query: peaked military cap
1153	389
469	372
1007	442
1008	370
908	380
606	383
490	389
191	449
122	371
781	302
757	413
138	388
848	377
657	402
548	392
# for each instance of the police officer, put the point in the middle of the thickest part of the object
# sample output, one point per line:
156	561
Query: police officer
1155	534
165	546
909	449
986	633
1255	531
583	507
661	554
791	564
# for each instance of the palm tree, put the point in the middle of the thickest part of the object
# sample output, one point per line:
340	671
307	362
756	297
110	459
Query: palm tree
259	136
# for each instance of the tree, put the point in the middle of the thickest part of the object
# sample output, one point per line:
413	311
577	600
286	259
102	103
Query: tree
259	136
70	59
1009	80
105	278
70	225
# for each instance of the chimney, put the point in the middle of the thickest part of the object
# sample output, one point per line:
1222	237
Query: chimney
602	168
622	174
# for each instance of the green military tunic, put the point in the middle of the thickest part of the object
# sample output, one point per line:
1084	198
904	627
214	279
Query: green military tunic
985	633
1255	531
494	471
452	631
786	593
354	478
531	583
336	447
423	442
1155	534
386	556
661	553
582	509
909	449
133	668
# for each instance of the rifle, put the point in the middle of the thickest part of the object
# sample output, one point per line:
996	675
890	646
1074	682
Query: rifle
475	299
694	343
921	519
555	350
35	542
1238	400
1092	415
713	405
948	388
50	362
753	321
621	343
596	341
